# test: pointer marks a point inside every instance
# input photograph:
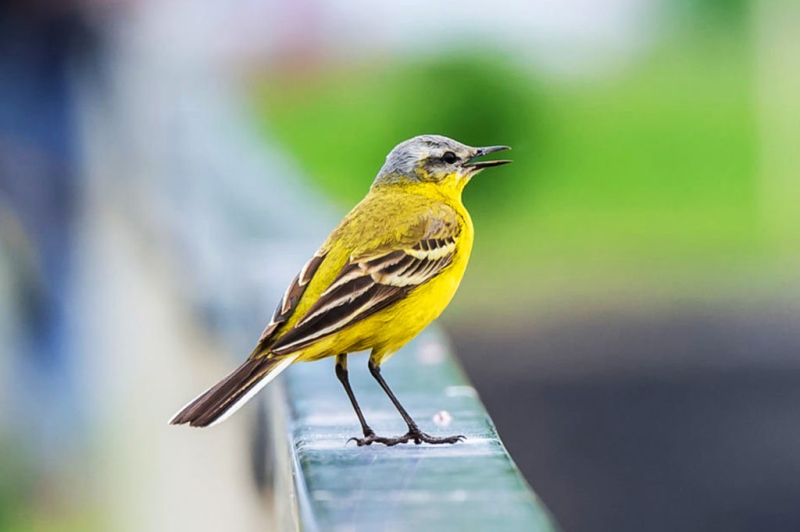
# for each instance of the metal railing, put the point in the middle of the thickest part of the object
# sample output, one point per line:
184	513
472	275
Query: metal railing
335	485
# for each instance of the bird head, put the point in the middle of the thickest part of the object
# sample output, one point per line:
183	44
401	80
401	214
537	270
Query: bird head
435	159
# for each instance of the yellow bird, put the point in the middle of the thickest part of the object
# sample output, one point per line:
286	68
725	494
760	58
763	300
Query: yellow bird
387	271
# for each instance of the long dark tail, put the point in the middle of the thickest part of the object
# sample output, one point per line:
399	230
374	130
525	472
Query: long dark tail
231	393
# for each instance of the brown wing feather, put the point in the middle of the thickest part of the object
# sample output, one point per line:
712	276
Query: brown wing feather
365	286
217	401
290	298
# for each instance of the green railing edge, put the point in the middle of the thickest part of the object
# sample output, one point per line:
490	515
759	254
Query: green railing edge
323	483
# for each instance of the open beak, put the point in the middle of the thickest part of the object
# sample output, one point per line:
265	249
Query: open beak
479	165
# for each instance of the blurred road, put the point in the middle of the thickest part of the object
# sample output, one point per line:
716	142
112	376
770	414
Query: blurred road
661	422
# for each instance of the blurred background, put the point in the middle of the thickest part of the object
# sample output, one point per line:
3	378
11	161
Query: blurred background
630	315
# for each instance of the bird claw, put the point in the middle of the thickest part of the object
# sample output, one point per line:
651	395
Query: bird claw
417	437
369	439
421	437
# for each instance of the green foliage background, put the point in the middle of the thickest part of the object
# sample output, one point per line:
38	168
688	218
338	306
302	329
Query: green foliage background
620	182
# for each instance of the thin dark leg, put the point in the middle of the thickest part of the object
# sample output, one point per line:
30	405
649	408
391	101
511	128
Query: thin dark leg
375	369
369	434
341	373
414	433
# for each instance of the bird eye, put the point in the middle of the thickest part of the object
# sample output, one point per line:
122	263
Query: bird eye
449	157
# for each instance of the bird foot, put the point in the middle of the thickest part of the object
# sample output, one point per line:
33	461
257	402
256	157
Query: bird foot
416	436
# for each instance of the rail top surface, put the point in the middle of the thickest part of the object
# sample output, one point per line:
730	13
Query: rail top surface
338	486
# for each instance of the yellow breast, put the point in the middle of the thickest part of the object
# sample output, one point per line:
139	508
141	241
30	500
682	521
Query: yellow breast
389	329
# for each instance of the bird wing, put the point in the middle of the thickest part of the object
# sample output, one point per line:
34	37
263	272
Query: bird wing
371	281
292	297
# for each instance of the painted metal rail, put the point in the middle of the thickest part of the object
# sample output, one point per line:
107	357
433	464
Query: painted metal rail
324	483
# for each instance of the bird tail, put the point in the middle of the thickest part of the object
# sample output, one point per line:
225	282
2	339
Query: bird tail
216	404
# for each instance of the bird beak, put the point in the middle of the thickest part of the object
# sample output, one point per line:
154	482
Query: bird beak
479	165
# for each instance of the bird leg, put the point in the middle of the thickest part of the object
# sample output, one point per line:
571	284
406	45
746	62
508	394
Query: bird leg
341	374
369	435
414	433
